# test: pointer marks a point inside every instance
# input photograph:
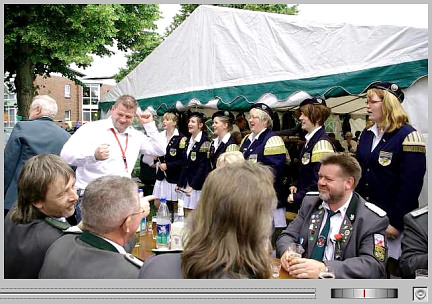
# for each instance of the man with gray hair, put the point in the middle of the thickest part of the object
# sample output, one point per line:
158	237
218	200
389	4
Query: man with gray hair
111	214
38	135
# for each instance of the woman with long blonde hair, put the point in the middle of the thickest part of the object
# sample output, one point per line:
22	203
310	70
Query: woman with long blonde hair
228	235
392	156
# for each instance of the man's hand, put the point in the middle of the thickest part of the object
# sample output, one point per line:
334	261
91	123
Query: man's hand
145	117
302	268
392	232
102	152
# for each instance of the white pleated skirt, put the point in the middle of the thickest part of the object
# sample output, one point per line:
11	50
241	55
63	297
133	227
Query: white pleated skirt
279	218
190	202
163	189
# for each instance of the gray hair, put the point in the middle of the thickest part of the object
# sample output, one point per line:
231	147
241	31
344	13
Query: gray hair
47	104
107	202
229	157
264	117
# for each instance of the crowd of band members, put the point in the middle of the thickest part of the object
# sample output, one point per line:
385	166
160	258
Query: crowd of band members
391	154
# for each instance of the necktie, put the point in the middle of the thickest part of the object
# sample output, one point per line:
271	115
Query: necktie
321	243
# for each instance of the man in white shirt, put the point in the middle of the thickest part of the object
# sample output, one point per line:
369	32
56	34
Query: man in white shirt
111	146
112	212
338	229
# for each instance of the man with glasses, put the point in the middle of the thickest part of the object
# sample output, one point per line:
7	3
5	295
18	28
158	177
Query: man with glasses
111	214
338	229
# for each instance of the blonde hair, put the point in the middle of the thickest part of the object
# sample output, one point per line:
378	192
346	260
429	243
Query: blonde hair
128	101
225	120
263	117
228	233
230	157
393	114
170	116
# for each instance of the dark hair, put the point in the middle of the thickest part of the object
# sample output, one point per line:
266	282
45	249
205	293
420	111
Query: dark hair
349	165
317	114
36	175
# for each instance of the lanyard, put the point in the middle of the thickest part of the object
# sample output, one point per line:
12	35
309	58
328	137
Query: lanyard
121	148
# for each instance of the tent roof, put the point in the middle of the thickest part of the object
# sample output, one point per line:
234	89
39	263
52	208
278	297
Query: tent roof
229	58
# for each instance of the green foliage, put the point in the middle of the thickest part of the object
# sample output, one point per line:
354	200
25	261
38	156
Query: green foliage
43	39
139	54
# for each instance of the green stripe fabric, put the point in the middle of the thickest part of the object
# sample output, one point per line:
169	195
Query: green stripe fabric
239	98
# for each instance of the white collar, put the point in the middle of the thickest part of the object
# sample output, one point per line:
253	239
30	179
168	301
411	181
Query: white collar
342	209
119	248
252	137
374	129
175	133
311	134
60	219
197	138
109	124
224	139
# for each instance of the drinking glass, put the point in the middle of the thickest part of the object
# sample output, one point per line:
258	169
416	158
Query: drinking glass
275	269
327	274
421	273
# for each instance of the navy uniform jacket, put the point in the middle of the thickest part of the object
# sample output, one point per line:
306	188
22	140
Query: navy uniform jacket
318	147
26	245
414	243
72	258
196	165
214	154
269	149
173	159
29	138
362	251
392	174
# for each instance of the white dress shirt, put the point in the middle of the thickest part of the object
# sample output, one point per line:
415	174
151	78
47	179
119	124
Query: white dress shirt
310	135
378	135
119	248
335	224
192	141
225	139
80	149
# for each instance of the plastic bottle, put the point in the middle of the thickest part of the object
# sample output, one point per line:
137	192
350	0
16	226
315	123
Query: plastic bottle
177	228
163	225
142	228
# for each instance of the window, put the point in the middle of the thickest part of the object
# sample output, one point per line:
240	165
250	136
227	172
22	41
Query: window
90	115
90	101
67	90
67	115
9	117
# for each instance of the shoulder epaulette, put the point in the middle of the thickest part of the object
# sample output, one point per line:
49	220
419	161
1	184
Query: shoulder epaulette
243	140
376	209
205	147
274	146
321	150
312	193
182	144
232	147
420	211
63	226
137	262
414	142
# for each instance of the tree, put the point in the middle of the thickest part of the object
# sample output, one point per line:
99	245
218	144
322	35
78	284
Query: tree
43	39
138	55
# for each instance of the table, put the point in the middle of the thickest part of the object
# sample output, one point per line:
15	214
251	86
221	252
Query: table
145	244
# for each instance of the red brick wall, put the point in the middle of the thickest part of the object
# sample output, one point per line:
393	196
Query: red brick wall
55	87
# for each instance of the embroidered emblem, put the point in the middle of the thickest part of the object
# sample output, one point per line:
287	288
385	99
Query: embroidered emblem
253	158
173	152
379	247
385	158
193	156
306	158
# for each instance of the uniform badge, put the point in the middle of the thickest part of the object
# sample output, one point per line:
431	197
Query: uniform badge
321	241
352	216
193	156
173	152
379	247
306	158
253	158
385	158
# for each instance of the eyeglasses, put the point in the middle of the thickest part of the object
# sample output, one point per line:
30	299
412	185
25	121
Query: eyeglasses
140	212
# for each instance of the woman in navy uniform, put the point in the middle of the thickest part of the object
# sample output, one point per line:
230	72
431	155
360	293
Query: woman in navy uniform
264	146
392	156
196	162
169	166
224	142
318	145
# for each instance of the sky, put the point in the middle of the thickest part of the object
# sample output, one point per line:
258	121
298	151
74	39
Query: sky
415	15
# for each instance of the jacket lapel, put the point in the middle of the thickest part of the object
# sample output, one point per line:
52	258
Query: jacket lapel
346	228
314	227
